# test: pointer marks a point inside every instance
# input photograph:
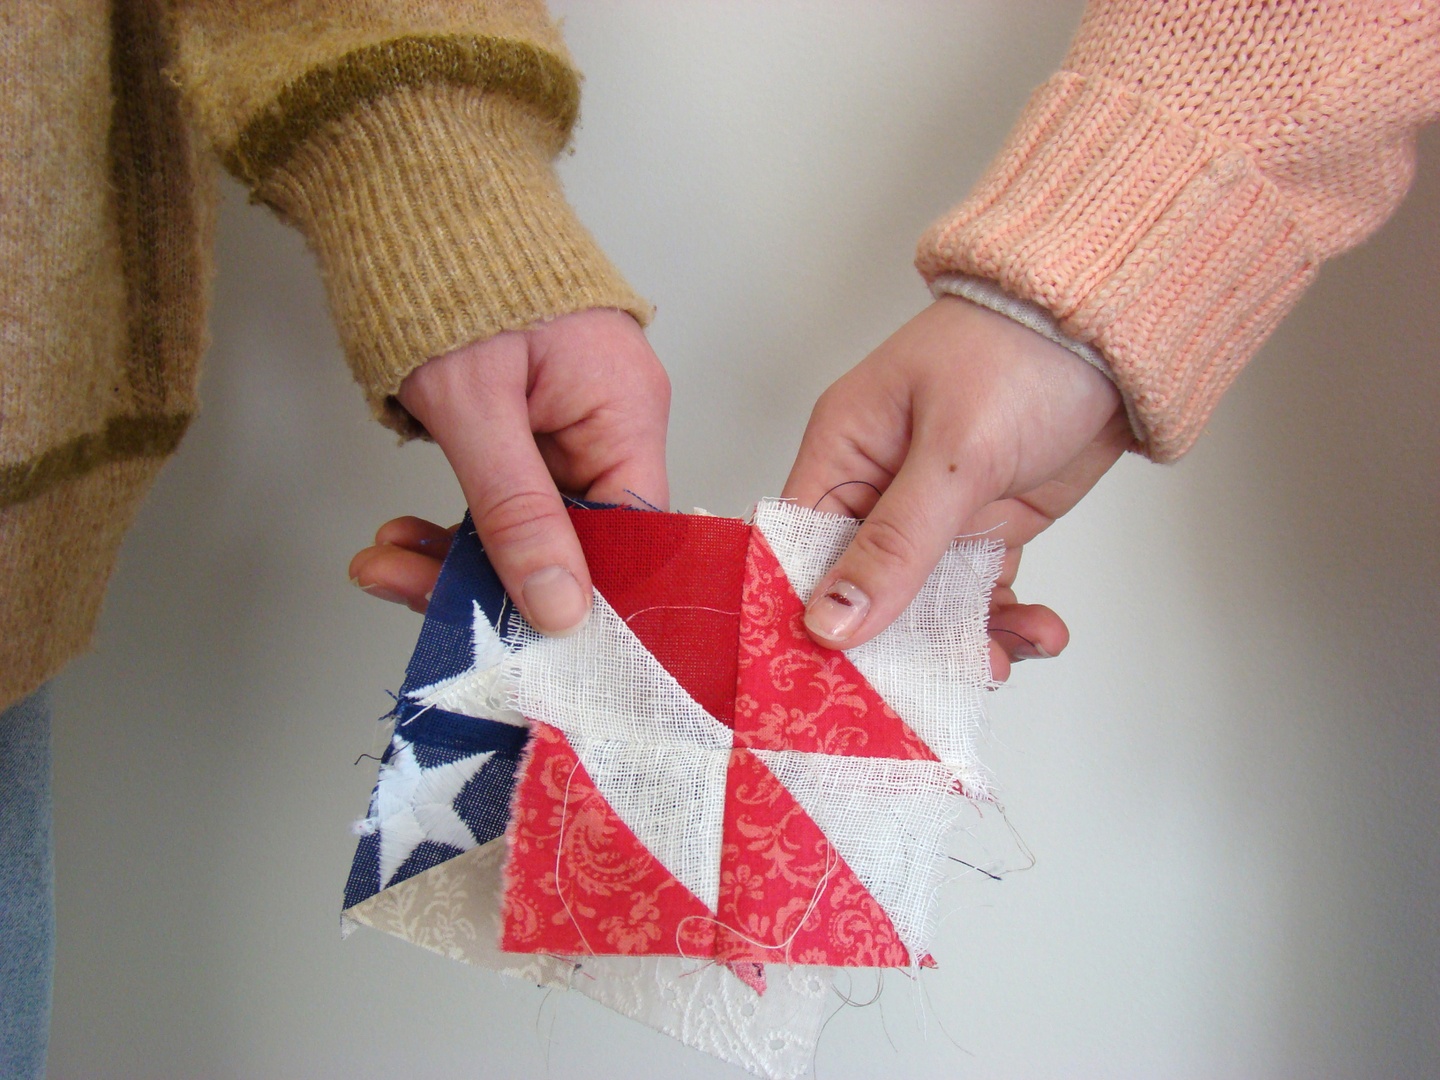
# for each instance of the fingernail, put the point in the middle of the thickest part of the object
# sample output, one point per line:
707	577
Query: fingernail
1031	651
383	594
837	612
554	601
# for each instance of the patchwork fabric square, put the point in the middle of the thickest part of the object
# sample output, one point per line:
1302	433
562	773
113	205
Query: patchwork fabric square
690	775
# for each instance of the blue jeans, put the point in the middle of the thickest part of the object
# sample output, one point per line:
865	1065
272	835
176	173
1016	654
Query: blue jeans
27	887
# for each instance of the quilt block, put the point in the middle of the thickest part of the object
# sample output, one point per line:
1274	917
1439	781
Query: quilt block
690	775
688	791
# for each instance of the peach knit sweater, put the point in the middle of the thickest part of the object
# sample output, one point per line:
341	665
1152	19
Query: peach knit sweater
1166	197
1169	194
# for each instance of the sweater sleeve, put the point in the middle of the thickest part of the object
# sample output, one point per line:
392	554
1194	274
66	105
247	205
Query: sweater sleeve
412	145
1171	192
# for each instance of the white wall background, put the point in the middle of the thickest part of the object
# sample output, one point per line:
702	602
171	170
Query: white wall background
1231	780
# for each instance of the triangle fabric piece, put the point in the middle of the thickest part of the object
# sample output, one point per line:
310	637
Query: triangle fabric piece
887	820
672	799
578	879
792	694
787	894
674	580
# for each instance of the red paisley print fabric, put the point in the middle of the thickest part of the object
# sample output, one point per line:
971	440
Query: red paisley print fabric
792	694
578	881
786	895
709	600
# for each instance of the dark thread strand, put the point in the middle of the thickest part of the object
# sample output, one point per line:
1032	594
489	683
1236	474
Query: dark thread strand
1022	637
972	866
647	502
845	483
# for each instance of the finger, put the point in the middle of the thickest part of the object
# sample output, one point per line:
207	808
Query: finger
417	534
479	415
389	572
611	458
639	479
999	662
523	525
897	546
1028	631
1009	567
831	473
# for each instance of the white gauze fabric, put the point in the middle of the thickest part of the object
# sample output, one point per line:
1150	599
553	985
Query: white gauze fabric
673	800
601	684
932	664
651	749
887	819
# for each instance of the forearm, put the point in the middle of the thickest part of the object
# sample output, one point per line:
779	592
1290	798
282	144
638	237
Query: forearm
1172	191
414	152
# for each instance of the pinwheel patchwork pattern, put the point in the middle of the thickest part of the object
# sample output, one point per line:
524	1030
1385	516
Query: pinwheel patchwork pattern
690	775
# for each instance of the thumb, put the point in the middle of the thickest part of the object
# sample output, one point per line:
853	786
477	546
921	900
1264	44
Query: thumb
473	404
900	541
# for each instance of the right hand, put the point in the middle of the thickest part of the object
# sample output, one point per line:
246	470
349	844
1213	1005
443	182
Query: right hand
578	404
963	422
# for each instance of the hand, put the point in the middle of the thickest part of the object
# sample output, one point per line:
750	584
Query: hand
404	563
578	404
966	422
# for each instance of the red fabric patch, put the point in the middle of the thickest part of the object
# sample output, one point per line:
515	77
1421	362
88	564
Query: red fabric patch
708	598
752	975
786	895
612	895
792	694
675	579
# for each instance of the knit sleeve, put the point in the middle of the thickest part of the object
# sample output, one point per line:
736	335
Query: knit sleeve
1171	192
412	144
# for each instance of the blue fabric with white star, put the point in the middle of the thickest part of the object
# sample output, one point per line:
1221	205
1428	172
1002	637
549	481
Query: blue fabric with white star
437	737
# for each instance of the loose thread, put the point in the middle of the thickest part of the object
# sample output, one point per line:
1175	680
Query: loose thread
644	500
677	607
830	864
411	719
1022	637
845	483
845	1002
972	866
559	851
1019	840
852	1003
940	1022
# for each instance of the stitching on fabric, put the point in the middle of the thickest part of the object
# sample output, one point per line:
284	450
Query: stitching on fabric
489	64
559	853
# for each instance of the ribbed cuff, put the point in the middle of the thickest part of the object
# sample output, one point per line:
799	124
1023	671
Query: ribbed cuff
438	221
1158	244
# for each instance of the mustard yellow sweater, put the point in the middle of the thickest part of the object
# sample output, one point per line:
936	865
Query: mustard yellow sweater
1165	199
409	140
